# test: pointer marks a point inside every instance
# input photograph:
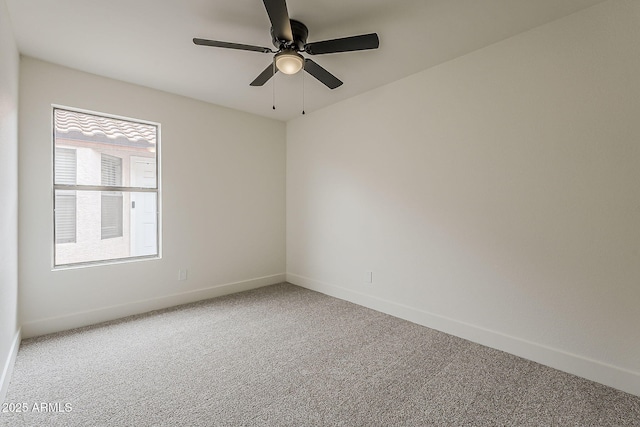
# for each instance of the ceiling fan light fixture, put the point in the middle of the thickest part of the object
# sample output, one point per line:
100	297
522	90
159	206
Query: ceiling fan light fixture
289	37
289	62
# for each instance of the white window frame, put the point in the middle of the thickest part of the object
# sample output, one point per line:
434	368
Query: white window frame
156	190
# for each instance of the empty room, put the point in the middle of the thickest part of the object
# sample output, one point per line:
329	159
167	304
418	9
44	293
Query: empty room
364	213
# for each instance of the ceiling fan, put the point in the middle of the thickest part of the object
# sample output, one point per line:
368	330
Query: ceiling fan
290	38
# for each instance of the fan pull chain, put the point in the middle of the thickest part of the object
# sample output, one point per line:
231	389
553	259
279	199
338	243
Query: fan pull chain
274	84
303	89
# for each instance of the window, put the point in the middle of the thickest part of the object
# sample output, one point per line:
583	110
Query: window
106	193
65	201
111	170
111	212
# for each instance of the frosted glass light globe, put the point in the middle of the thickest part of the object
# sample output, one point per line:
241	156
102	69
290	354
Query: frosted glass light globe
289	62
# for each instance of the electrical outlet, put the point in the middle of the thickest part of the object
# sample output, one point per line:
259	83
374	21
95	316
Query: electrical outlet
182	274
368	277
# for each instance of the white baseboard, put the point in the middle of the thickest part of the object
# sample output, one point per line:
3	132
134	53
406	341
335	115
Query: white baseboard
75	320
7	370
613	376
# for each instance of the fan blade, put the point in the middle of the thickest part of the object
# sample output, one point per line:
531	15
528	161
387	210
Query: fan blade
277	11
264	76
227	45
346	44
321	74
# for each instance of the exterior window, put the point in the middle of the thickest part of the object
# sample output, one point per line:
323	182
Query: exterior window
111	170
65	201
106	193
111	212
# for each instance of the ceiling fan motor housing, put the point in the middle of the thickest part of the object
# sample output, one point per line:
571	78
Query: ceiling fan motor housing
300	33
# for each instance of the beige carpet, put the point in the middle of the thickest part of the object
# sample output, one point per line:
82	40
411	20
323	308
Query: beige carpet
283	355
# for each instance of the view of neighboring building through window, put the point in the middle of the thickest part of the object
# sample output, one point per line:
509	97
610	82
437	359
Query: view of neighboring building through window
105	188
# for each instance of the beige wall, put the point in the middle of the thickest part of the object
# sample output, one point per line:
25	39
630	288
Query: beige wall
496	196
223	207
9	326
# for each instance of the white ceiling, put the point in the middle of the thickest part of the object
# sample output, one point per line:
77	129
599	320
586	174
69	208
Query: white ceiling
149	42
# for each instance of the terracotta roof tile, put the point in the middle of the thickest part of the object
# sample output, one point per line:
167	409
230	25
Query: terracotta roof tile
96	126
